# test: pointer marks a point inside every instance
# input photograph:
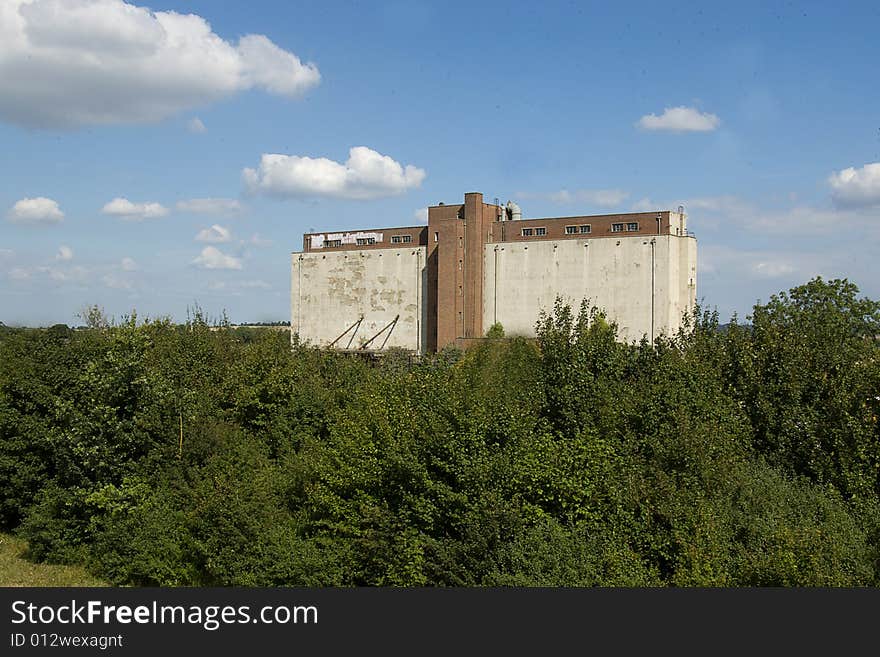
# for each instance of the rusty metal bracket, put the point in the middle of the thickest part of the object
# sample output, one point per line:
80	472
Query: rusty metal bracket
354	326
388	327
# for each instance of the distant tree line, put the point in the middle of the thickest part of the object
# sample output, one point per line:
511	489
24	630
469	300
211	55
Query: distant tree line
278	323
159	454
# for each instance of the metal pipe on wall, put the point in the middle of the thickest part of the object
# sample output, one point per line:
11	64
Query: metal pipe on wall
495	291
419	301
653	244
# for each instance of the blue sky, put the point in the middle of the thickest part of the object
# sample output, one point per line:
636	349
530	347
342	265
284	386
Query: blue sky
158	156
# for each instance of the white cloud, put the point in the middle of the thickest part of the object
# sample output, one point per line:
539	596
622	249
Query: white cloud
601	197
680	119
212	258
6	254
804	220
699	205
195	126
853	187
215	234
723	203
57	275
65	253
262	285
259	242
117	283
19	274
643	205
772	269
128	264
421	215
39	210
365	175
69	63
269	67
738	264
219	206
77	274
125	209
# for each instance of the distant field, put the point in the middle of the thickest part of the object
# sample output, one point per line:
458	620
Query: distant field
17	571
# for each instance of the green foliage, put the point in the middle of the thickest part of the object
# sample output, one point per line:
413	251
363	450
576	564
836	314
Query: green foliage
495	331
808	375
207	454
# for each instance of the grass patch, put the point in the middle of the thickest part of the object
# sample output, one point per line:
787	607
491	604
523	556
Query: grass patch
15	570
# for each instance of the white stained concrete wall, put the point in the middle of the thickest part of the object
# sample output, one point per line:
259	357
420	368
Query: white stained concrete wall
330	291
614	274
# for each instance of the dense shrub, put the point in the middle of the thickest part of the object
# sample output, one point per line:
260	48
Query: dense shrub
160	454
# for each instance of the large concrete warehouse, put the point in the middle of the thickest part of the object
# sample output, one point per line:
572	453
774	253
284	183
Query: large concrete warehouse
475	264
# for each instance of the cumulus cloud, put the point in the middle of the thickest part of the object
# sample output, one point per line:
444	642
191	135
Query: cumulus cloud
421	215
39	210
856	188
70	63
680	119
218	206
365	175
65	253
128	264
196	126
215	234
213	258
125	209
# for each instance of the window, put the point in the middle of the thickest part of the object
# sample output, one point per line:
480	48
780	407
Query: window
363	241
540	231
586	229
616	228
526	232
332	243
571	230
407	238
632	226
395	239
436	236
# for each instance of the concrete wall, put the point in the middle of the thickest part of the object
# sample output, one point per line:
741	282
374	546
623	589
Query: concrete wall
523	278
330	291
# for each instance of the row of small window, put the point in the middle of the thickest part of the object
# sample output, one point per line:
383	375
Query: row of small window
585	229
364	241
